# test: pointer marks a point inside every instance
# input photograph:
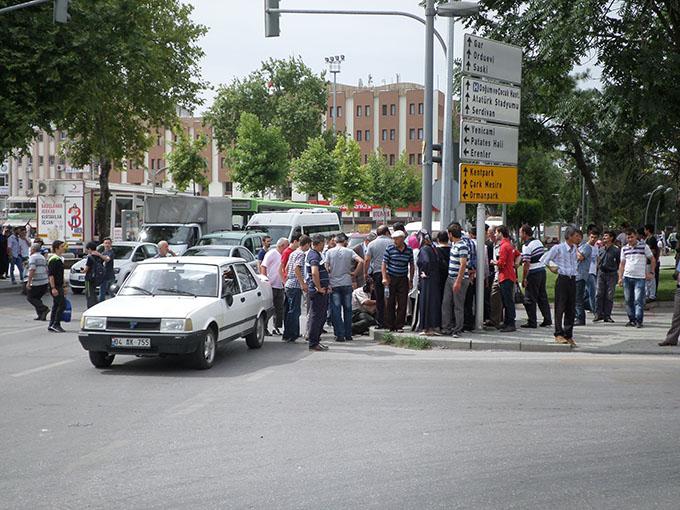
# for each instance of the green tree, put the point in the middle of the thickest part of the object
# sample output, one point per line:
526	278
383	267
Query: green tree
351	184
529	211
186	163
259	158
316	170
391	186
282	93
115	70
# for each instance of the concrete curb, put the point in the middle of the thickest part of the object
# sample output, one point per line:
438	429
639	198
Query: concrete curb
483	345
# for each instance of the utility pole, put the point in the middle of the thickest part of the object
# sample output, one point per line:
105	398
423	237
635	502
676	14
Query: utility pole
426	196
334	68
448	171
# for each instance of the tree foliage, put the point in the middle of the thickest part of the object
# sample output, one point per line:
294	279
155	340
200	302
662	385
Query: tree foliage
186	163
529	211
316	170
259	158
282	93
351	184
391	186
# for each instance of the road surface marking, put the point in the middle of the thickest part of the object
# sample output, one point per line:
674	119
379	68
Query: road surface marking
44	367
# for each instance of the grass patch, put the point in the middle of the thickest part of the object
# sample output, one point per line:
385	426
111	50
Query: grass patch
409	342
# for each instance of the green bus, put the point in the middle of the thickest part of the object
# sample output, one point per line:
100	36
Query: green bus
244	208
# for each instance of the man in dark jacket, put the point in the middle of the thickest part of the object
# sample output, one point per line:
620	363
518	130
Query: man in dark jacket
608	261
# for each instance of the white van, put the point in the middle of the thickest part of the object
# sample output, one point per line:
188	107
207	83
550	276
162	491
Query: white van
284	223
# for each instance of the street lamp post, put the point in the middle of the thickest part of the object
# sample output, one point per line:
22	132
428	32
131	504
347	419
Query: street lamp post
649	201
153	181
334	68
658	205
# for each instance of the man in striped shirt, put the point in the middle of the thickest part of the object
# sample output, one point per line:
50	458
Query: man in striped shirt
397	276
633	275
533	279
456	284
294	287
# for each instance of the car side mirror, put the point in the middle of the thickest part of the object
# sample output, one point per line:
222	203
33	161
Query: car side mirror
114	288
229	299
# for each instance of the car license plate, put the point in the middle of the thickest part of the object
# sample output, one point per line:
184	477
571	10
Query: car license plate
139	343
81	277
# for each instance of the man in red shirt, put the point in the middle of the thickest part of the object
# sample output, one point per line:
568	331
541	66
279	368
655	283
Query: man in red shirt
507	277
294	245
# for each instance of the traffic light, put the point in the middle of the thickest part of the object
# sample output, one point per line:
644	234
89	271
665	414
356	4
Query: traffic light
61	11
437	147
271	19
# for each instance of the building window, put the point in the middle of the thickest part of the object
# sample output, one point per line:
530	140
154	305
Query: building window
384	135
359	111
40	137
21	183
392	134
29	160
421	109
392	159
412	109
367	135
365	158
411	159
228	188
30	184
358	135
330	112
41	160
420	159
367	111
51	160
339	111
393	109
222	163
412	134
420	133
153	164
62	135
384	110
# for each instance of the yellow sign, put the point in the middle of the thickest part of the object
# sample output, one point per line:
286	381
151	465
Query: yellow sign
485	184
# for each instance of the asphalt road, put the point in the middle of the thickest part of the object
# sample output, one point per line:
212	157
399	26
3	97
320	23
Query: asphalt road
360	426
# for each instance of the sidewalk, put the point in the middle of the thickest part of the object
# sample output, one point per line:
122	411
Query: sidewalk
599	338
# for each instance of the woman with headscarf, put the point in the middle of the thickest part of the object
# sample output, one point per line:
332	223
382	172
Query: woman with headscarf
429	285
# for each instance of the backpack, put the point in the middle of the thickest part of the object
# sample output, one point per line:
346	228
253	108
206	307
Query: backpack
98	273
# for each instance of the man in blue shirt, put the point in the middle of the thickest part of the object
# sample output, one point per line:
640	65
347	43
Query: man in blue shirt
319	289
397	276
583	256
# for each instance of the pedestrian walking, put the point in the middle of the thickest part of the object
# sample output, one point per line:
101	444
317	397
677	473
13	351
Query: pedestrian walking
339	261
674	331
295	287
507	277
94	273
14	254
457	282
37	282
607	274
429	286
562	260
534	279
270	268
266	243
58	287
108	256
583	256
495	296
4	252
375	252
397	276
590	302
318	283
633	274
653	243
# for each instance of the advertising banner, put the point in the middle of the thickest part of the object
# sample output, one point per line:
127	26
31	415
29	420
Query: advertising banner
50	218
74	219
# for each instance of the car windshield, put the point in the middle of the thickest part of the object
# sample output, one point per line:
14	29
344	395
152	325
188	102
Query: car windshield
219	241
171	279
207	252
122	252
173	235
275	231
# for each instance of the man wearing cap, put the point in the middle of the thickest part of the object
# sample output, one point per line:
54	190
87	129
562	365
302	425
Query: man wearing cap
397	278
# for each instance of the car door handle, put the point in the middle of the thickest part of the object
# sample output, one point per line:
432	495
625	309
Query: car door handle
243	300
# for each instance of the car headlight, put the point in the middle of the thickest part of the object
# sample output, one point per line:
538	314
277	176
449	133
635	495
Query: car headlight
93	323
175	325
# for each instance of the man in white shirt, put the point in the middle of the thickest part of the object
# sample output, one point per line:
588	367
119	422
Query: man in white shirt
633	275
339	261
270	268
533	279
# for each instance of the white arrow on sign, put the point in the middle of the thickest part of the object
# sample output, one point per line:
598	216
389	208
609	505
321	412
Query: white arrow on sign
490	101
488	143
492	59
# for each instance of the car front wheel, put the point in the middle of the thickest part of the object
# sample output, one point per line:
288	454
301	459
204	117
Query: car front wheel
204	357
255	339
101	359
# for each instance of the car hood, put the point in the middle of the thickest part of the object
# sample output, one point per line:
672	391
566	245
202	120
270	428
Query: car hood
176	307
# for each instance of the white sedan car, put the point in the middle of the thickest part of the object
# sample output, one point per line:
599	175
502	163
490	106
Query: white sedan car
126	257
184	305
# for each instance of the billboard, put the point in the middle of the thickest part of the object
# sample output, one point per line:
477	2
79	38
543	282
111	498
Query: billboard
51	218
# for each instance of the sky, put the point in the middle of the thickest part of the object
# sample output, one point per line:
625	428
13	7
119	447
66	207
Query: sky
380	46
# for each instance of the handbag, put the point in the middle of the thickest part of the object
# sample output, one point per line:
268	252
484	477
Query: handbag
66	314
519	296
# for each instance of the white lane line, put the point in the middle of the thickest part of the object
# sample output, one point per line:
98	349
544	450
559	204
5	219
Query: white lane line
23	330
260	375
44	367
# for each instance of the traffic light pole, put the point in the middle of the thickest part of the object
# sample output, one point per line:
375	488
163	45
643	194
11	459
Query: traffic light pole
60	8
426	196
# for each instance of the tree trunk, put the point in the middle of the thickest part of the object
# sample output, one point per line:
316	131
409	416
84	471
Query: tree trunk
103	209
587	174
